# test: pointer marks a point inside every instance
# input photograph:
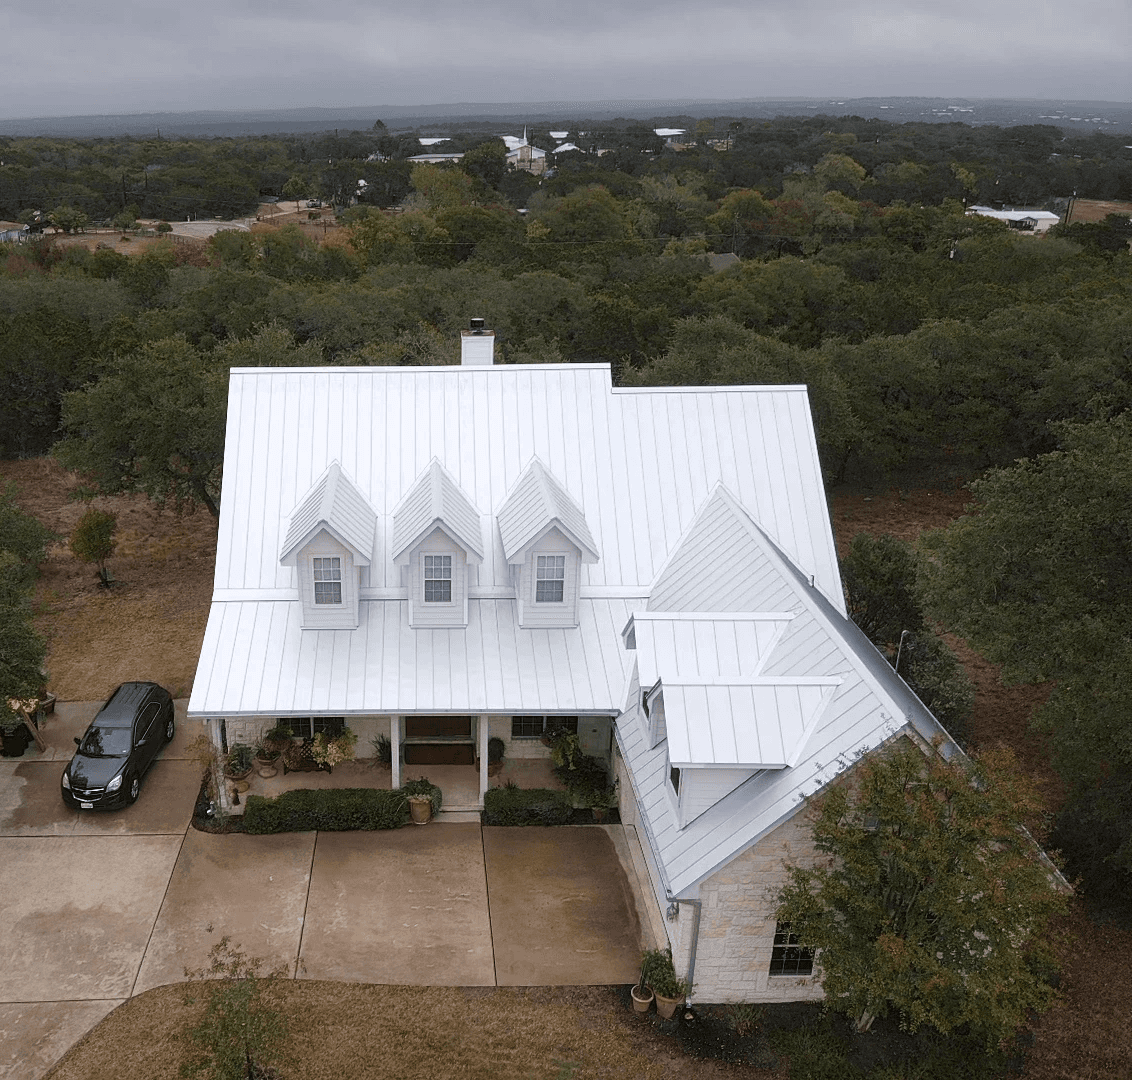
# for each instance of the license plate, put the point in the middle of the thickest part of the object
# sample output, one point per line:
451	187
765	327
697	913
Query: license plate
87	805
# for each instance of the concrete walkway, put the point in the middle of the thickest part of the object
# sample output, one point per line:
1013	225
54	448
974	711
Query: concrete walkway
100	907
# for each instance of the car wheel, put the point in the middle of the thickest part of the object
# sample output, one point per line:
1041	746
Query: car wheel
169	729
134	789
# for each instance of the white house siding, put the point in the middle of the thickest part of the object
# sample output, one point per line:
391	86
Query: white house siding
737	922
703	788
342	616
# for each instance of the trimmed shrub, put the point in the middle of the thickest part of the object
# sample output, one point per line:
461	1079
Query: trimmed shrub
331	810
534	806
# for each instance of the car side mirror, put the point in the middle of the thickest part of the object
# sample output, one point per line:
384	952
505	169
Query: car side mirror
78	741
140	742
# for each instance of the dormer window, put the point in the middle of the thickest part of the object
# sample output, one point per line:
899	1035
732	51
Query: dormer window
545	541
330	541
438	579
551	579
438	540
328	581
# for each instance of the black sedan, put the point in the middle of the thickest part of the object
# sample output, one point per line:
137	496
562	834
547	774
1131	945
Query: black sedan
118	747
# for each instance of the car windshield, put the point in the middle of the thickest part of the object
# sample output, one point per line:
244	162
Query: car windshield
106	742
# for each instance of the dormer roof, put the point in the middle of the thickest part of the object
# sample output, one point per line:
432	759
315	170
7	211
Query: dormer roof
721	708
536	504
336	505
436	501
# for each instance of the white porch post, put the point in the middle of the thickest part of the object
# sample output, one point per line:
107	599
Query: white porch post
481	735
395	743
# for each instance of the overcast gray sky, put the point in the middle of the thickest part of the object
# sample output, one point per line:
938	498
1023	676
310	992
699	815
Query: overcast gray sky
66	57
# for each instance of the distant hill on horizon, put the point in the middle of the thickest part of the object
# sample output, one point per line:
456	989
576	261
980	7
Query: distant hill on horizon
1111	117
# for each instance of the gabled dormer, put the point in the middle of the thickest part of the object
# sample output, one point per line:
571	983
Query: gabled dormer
436	535
545	541
329	540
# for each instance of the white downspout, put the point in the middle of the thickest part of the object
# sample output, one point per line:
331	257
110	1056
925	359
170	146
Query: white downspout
395	743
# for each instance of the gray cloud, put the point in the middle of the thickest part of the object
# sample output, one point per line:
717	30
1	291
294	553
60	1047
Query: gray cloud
130	56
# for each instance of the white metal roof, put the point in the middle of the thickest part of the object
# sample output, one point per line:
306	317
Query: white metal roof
334	504
535	504
638	463
847	699
436	500
256	660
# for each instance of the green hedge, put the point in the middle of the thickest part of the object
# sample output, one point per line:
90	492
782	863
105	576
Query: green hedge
331	810
521	806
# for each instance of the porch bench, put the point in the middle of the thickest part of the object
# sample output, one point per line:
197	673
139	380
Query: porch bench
299	757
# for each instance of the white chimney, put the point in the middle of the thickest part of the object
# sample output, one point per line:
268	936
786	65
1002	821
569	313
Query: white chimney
477	346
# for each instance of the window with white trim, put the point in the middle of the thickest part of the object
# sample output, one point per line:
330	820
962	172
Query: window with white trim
550	579
788	957
438	579
328	580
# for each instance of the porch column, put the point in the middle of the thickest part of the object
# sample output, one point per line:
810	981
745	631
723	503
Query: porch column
223	798
395	743
481	738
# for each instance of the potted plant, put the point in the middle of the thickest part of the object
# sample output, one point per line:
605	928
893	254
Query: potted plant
641	992
331	750
670	990
565	749
382	750
266	757
278	738
495	751
241	759
601	801
424	799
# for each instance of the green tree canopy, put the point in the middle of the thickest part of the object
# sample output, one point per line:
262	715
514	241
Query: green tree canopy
154	424
1037	577
932	901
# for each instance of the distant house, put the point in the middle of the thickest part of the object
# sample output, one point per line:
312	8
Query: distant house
522	155
674	138
12	232
436	159
451	554
1035	221
722	261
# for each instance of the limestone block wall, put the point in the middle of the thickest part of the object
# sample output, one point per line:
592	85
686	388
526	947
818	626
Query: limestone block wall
250	729
737	922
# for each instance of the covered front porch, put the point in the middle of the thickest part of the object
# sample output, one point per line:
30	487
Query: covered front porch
458	783
452	751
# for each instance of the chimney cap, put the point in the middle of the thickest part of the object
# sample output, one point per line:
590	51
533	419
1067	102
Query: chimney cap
477	326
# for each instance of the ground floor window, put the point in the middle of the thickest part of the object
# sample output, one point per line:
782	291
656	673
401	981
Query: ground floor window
306	727
534	727
788	957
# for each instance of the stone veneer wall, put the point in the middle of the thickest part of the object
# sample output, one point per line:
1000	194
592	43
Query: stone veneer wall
737	922
250	729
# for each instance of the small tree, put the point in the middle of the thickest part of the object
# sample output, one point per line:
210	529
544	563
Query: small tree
93	540
164	227
240	1036
933	901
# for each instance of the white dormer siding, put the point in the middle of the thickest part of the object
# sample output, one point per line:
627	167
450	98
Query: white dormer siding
701	789
436	535
438	561
330	542
545	540
550	570
323	564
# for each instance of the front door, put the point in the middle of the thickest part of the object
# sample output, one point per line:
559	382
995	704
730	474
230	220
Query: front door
438	727
439	740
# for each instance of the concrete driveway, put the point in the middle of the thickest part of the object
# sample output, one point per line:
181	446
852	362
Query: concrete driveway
100	907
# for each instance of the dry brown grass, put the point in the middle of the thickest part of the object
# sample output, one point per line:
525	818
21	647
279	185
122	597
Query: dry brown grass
362	1032
1094	210
151	623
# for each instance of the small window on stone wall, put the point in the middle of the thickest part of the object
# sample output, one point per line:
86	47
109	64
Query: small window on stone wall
788	957
533	727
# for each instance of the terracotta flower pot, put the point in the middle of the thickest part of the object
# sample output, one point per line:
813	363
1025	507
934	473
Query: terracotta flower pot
420	809
666	1007
642	999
